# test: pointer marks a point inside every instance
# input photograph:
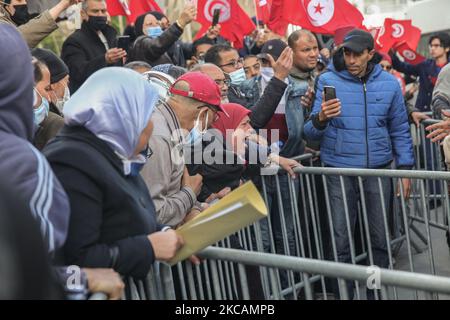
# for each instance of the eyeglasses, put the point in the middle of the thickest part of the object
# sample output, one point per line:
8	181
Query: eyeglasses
235	63
222	82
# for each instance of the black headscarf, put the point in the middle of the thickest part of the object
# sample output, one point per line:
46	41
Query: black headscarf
139	23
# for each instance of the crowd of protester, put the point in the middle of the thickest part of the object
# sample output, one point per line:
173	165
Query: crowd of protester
100	147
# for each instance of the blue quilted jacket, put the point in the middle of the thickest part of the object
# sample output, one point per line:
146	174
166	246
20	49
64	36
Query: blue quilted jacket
372	129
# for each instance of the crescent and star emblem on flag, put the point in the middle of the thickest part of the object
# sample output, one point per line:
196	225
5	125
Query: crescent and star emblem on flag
320	12
399	30
408	54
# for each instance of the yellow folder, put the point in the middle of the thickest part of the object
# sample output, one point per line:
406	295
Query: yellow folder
238	209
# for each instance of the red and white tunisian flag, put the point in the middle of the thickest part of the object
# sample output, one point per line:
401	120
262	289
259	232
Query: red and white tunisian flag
131	8
235	23
320	16
409	54
395	32
263	10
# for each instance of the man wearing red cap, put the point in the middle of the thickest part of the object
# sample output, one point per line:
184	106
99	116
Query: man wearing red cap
190	110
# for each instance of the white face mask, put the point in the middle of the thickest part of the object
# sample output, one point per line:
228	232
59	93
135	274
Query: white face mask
267	72
61	102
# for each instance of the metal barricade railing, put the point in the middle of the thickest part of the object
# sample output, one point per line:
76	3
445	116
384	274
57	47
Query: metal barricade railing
387	284
428	154
98	296
302	224
384	281
410	228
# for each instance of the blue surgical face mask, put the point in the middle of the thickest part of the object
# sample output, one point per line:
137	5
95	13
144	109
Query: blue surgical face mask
195	135
154	32
41	112
267	72
237	77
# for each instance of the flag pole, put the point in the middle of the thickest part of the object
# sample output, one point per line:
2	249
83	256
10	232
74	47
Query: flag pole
256	14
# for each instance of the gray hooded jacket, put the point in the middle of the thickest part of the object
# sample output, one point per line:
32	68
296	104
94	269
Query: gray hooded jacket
23	166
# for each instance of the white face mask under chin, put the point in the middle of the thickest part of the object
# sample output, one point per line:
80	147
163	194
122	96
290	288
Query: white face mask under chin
61	102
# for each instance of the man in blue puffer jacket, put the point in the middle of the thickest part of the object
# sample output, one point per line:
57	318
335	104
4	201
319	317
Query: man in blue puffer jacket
365	127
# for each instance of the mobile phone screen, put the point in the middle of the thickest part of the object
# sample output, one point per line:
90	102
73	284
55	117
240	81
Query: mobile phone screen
123	42
330	93
216	17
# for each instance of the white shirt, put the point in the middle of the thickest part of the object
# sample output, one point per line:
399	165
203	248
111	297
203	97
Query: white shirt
103	39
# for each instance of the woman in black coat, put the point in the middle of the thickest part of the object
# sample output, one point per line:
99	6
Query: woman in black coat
97	157
152	43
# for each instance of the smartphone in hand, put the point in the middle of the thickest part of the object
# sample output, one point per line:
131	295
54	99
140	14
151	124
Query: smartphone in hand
330	92
123	42
216	17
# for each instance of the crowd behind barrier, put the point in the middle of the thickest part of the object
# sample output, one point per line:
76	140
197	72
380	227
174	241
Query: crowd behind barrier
413	231
106	132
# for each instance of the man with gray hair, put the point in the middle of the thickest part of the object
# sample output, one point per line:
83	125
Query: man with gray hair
215	73
181	121
92	47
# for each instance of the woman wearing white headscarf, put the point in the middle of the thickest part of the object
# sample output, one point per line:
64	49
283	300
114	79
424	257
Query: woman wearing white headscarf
97	157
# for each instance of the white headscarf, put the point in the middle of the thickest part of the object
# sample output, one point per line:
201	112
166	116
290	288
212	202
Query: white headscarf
115	104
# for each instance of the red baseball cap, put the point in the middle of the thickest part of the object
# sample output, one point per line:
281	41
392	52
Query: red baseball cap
201	88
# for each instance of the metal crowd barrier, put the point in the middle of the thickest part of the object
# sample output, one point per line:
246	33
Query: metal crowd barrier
388	284
428	154
414	236
414	231
98	296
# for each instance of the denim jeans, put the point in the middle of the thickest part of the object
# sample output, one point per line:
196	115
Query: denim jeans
374	216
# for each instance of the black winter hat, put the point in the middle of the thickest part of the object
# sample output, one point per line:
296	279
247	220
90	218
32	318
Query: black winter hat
57	67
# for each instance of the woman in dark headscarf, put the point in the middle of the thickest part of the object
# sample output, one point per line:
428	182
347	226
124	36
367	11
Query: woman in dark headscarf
153	43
